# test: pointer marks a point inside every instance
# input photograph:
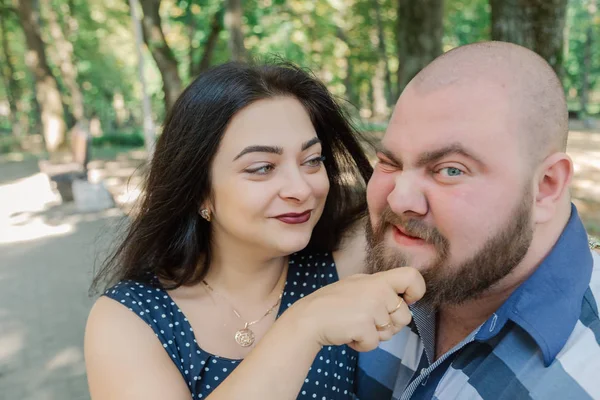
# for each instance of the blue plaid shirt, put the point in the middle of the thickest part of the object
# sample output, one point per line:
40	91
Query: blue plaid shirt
542	343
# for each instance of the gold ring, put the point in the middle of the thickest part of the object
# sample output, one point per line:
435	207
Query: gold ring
384	327
398	306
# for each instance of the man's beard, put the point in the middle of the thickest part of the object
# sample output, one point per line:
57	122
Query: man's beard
455	284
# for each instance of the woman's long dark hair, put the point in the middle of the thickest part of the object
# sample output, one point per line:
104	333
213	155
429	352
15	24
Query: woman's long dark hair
167	237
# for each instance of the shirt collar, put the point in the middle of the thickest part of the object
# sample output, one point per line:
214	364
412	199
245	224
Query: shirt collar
548	304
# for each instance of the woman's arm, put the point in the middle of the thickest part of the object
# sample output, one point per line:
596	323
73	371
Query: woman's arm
345	312
124	359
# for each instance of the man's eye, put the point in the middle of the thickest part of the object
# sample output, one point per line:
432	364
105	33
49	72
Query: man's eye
386	165
450	172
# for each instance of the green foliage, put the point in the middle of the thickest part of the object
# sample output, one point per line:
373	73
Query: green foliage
8	144
336	39
466	21
119	139
582	25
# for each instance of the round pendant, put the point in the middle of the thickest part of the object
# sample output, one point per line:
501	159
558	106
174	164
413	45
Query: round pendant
244	337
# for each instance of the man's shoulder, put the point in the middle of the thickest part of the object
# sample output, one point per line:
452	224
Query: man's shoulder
595	280
579	359
591	300
389	365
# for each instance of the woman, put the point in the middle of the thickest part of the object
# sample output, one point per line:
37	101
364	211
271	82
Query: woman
253	201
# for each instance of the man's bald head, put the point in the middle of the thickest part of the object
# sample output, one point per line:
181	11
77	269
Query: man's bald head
472	164
535	93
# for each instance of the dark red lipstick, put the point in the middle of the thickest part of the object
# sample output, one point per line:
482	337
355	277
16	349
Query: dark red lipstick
295	218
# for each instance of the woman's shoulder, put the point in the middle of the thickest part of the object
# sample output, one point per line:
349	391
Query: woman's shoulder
121	353
152	304
138	296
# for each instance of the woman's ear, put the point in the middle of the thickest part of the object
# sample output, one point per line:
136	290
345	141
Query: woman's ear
205	211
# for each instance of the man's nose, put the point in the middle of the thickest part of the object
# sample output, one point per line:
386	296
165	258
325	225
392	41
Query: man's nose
408	196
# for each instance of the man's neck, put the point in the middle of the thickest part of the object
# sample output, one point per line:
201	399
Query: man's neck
455	322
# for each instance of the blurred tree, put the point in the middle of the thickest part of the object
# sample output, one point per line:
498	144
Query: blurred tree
535	24
11	85
233	23
384	61
161	52
466	21
419	37
582	65
149	131
209	45
47	93
63	54
363	50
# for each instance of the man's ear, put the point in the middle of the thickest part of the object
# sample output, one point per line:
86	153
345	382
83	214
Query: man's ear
553	178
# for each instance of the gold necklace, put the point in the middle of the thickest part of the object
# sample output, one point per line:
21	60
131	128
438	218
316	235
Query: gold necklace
245	337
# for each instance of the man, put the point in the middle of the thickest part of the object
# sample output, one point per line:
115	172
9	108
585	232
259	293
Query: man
471	188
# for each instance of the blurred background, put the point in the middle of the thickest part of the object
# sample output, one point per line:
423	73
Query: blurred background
86	84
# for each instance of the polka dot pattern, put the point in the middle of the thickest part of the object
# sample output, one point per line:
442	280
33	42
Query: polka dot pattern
331	376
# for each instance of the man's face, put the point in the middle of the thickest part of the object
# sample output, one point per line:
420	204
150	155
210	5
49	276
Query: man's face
451	194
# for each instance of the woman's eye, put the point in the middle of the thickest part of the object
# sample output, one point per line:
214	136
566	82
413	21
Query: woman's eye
315	162
262	170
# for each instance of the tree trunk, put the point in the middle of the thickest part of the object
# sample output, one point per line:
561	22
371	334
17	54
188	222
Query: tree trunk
419	36
233	23
121	112
535	24
383	54
380	104
211	43
149	132
47	93
64	55
585	74
350	92
592	8
13	92
161	52
191	31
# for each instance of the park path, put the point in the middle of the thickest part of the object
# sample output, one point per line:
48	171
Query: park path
47	253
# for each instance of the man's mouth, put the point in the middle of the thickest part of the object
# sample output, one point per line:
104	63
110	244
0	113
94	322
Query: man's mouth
402	237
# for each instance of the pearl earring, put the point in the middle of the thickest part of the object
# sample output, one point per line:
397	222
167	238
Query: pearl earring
204	213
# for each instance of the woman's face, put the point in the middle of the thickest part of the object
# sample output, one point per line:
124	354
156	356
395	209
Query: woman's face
269	184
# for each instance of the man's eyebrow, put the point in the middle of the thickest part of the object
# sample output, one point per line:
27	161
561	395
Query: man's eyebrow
436	155
259	149
380	148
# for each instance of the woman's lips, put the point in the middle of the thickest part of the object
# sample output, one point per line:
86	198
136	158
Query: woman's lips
295	218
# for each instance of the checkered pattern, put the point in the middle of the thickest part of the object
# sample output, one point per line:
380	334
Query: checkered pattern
543	343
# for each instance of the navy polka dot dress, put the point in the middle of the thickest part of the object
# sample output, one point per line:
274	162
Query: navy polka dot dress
330	377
